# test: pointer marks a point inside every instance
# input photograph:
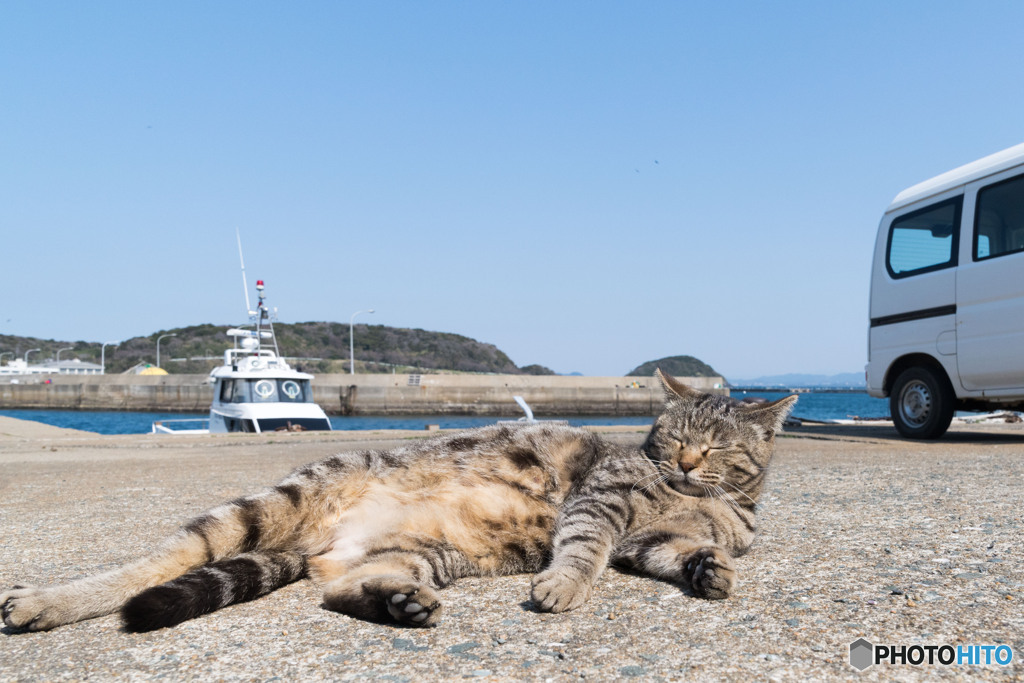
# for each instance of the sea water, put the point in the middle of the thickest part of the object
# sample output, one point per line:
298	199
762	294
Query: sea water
811	406
827	405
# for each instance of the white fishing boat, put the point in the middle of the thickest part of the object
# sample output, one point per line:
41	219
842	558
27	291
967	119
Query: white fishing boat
255	390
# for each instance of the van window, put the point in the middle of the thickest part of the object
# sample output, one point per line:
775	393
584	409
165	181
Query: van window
999	219
924	240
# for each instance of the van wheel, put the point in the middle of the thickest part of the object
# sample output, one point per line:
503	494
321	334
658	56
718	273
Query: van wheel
921	404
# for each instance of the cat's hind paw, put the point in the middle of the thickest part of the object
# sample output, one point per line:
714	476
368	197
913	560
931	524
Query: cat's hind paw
409	603
712	573
414	604
557	590
31	609
389	598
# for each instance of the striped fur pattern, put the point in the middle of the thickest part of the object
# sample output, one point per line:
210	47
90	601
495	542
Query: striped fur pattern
211	587
381	532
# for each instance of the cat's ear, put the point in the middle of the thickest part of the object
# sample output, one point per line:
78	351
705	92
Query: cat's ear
674	388
771	416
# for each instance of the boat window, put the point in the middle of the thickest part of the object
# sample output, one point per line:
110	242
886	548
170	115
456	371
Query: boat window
233	424
226	387
264	390
925	240
271	391
295	391
294	424
290	390
241	392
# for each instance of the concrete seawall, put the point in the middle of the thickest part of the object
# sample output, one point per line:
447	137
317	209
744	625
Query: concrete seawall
365	394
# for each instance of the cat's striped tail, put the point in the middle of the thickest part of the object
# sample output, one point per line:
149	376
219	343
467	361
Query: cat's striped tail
211	587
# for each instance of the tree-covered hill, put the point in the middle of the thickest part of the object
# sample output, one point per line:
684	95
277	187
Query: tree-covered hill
678	366
315	346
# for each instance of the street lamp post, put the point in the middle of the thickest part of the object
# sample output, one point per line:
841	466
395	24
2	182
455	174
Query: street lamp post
162	336
66	348
351	338
103	356
28	352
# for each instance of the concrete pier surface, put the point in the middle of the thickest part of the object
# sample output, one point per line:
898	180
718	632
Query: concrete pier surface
862	535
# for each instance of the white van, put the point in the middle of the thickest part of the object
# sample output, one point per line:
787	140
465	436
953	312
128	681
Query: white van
947	296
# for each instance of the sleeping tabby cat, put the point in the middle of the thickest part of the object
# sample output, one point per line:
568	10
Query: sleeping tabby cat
382	531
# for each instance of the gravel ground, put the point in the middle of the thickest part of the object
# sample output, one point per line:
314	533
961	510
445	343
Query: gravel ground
862	535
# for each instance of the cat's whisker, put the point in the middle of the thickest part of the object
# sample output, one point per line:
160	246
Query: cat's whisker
740	491
722	495
656	473
718	493
646	477
654	483
647	485
652	480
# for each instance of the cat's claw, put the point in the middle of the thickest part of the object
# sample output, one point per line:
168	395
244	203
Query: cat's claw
712	573
558	590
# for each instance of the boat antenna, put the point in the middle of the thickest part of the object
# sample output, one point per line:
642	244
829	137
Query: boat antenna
263	313
245	285
260	316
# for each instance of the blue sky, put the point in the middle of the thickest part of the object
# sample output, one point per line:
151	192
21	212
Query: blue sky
587	185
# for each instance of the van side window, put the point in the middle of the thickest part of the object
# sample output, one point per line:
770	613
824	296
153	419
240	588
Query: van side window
999	219
924	240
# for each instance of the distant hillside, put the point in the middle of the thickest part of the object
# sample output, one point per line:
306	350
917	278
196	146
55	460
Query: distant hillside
678	366
318	346
842	380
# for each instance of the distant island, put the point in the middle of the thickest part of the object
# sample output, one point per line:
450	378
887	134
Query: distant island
678	366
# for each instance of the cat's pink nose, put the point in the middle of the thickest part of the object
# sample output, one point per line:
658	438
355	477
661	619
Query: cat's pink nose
686	466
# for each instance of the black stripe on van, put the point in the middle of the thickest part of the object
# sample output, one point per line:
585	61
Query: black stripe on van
936	312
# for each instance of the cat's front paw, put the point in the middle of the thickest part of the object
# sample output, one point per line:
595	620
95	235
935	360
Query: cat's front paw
712	573
559	590
31	609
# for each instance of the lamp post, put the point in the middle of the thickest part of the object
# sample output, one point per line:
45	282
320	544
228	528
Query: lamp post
66	348
351	338
162	336
103	356
28	352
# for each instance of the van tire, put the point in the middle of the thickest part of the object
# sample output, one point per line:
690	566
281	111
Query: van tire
921	403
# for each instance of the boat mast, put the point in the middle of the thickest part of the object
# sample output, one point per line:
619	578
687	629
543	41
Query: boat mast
245	285
263	313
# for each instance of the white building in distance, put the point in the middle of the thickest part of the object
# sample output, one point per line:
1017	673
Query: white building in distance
64	367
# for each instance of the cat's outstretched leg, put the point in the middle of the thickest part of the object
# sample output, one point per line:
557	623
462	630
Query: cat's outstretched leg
699	564
211	587
46	607
263	521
